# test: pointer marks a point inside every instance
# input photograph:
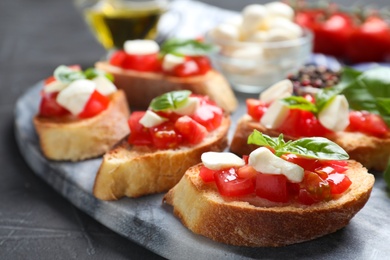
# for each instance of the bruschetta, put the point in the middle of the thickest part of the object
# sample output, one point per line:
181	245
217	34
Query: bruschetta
81	114
164	142
144	71
273	197
365	136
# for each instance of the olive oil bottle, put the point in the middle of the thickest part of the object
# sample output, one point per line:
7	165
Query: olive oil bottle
113	21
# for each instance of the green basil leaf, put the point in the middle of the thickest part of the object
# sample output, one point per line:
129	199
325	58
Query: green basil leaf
300	103
325	96
363	90
92	73
65	74
170	100
260	139
315	147
181	47
383	105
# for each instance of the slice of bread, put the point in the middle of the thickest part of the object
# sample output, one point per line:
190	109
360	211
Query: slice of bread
142	87
70	138
134	171
371	151
256	222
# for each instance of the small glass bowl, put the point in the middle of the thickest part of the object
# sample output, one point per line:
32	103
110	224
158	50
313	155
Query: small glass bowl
252	67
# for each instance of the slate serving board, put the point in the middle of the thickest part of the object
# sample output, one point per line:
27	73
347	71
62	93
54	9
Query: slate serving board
151	224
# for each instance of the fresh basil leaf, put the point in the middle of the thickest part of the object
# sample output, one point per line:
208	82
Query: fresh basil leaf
363	90
300	103
170	100
181	47
315	147
384	109
92	73
260	139
65	74
325	96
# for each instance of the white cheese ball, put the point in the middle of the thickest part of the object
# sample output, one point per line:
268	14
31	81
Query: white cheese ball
279	9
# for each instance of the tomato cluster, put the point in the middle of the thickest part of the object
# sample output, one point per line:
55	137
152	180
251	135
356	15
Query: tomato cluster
300	123
193	65
323	181
346	35
177	130
49	106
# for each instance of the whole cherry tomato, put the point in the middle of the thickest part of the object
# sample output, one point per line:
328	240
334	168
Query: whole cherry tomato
331	31
370	41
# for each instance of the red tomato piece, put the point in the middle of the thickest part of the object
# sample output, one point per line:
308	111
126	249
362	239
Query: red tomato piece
146	63
256	108
375	33
331	32
272	187
246	172
318	188
305	198
96	104
306	163
229	184
187	69
208	115
368	123
192	131
203	63
49	80
164	136
338	182
206	174
338	166
139	135
49	106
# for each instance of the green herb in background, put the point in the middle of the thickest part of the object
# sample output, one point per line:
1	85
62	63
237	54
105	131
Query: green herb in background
180	47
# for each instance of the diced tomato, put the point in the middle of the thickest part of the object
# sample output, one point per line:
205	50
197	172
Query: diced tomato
247	172
187	69
49	80
293	189
96	104
368	123
208	115
305	198
192	131
300	123
306	163
139	135
49	106
318	188
230	185
338	182
206	174
245	158
146	63
272	187
338	166
203	63
164	136
256	108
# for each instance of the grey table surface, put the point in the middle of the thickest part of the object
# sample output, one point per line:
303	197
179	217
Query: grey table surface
36	222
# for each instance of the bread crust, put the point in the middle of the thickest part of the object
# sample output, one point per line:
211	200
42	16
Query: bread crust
264	224
142	87
371	151
69	138
135	171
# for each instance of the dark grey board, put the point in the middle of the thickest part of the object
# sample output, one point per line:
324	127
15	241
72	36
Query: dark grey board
151	224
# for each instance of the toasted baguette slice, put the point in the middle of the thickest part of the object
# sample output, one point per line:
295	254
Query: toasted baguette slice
371	151
257	222
142	87
75	139
134	171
